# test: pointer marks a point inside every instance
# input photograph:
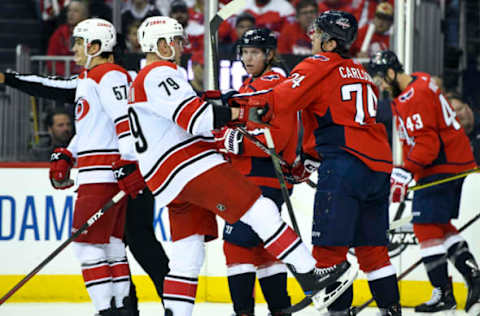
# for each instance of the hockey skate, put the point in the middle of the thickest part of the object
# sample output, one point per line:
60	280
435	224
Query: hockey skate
473	285
441	300
393	310
314	284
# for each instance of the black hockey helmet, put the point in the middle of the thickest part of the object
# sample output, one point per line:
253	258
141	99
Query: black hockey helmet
382	61
338	25
258	37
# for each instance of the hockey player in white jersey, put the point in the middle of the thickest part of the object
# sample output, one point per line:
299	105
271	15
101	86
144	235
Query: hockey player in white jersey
101	128
178	159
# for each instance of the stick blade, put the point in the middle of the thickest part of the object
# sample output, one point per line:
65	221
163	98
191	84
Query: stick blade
232	8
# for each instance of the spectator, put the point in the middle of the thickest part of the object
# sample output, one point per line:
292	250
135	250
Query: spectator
470	121
340	5
193	29
163	6
100	9
60	130
197	68
137	10
271	14
60	41
50	10
380	39
131	40
195	13
243	23
294	38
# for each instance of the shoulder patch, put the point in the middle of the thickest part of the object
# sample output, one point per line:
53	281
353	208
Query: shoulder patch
320	57
81	109
270	77
407	95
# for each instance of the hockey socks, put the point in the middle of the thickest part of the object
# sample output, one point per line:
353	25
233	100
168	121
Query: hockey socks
241	291
462	258
105	272
436	267
279	239
385	291
179	294
274	290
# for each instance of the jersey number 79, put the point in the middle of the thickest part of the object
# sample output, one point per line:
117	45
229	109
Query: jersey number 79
140	141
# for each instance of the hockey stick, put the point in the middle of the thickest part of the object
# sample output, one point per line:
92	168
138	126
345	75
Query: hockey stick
455	177
265	149
280	177
228	10
399	223
84	227
358	309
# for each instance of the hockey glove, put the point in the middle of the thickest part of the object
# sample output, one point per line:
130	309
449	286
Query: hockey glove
254	110
229	140
216	97
399	180
61	161
301	169
129	178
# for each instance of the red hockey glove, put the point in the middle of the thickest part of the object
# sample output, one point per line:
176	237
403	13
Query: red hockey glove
129	178
61	161
399	180
229	140
301	169
254	109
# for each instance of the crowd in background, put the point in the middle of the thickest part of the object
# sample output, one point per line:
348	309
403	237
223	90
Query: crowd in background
289	19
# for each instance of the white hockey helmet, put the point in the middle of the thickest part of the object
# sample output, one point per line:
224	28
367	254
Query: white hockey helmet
155	28
95	29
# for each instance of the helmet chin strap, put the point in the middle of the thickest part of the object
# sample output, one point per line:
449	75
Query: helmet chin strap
89	57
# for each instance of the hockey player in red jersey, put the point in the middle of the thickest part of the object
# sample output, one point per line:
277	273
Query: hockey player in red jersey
243	250
434	146
181	165
338	100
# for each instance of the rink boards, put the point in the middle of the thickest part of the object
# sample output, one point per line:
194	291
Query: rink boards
35	219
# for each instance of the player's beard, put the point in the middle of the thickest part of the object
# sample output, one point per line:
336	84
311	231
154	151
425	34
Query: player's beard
396	91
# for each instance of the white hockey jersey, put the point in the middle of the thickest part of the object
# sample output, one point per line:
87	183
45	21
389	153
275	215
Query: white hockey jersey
101	122
172	128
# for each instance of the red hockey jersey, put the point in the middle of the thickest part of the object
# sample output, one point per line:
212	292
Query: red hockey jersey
339	103
433	141
255	163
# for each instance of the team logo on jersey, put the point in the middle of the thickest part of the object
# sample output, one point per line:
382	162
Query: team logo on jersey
320	57
81	109
407	95
221	207
270	77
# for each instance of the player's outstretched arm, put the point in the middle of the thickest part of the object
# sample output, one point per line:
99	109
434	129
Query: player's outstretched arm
49	87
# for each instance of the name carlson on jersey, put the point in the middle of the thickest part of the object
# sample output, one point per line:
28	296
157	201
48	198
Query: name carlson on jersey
356	73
